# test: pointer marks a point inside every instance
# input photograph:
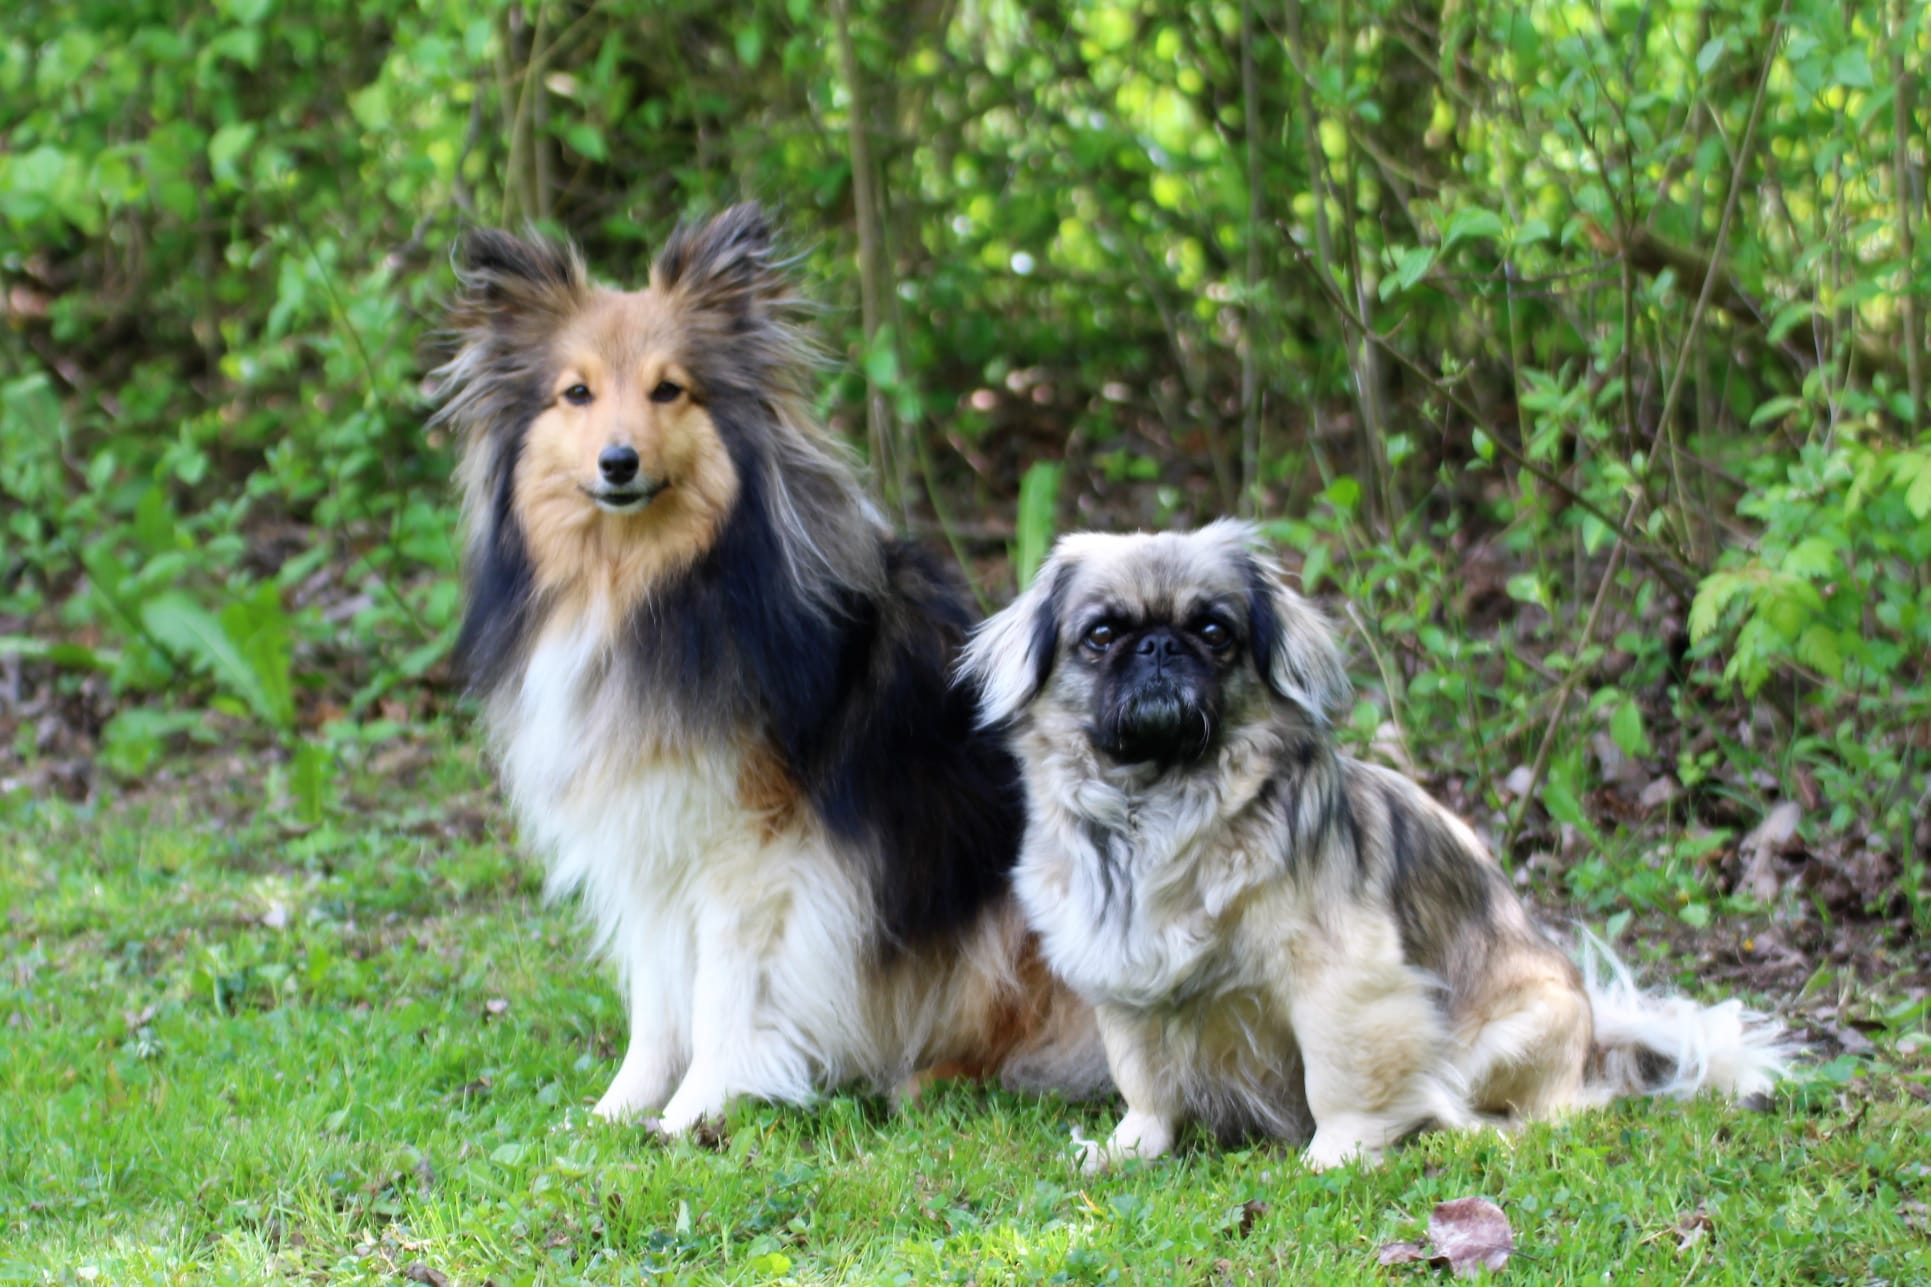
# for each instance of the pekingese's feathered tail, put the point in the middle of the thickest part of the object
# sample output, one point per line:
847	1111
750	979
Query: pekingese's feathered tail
1649	1043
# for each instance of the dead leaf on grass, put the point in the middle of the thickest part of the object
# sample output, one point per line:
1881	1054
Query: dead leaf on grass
1473	1233
1659	792
418	1272
1761	869
709	1134
1468	1235
1250	1212
1403	1253
1690	1229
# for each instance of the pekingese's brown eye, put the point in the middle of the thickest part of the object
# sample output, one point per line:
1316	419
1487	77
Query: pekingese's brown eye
1100	637
666	391
1215	635
577	395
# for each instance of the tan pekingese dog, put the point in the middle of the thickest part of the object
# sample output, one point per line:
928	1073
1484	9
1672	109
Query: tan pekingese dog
1277	937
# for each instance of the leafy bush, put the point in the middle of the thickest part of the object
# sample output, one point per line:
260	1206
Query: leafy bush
1488	307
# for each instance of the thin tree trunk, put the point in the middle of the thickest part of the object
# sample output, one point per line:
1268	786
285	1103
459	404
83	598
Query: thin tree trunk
1902	192
871	256
1250	417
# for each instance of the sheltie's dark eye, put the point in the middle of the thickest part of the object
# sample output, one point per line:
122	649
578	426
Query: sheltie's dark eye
577	395
1215	635
1099	638
666	391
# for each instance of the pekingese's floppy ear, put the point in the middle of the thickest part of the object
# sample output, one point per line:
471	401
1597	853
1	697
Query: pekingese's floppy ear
1011	653
1294	648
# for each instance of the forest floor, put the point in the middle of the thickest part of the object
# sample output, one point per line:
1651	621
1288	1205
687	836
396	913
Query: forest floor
239	1047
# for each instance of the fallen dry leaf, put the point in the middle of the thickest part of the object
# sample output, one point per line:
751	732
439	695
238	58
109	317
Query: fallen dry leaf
1761	870
1468	1235
418	1272
1250	1212
1403	1253
1690	1229
1472	1233
1659	792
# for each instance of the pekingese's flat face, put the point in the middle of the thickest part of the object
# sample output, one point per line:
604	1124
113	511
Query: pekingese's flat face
1151	648
1155	651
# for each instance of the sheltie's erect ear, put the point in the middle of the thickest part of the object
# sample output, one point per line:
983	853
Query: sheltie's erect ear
509	281
513	293
727	265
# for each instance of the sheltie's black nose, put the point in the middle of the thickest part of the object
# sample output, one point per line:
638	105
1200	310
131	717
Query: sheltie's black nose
618	464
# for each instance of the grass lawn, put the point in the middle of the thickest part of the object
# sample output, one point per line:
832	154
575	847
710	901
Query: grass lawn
234	1048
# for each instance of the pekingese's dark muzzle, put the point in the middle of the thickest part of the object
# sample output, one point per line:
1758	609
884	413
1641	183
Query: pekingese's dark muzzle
1158	701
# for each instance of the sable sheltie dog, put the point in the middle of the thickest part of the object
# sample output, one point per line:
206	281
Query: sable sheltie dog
717	691
1277	937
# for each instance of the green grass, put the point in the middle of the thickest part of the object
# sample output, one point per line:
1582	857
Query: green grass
235	1049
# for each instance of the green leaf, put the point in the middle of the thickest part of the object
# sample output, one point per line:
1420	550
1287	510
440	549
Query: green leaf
1913	469
309	778
67	656
247	12
1410	264
1526	587
1344	493
585	138
1712	597
750	43
1562	804
1314	566
134	739
1626	728
226	148
1707	56
1036	522
881	360
1471	221
1812	557
192	633
1818	647
1790	316
1852	70
1781	405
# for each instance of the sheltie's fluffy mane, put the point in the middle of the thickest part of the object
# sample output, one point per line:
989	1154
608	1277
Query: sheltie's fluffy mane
757	601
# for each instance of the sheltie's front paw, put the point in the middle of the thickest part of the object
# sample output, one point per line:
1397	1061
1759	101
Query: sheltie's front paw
621	1112
691	1107
627	1101
642	1084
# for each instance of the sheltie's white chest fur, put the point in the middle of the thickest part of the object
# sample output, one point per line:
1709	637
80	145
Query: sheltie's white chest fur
592	790
674	871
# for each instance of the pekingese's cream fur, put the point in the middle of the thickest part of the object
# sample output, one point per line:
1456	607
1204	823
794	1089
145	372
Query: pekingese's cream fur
1277	937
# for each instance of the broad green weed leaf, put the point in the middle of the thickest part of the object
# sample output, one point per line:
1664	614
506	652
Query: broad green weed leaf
1033	534
191	632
